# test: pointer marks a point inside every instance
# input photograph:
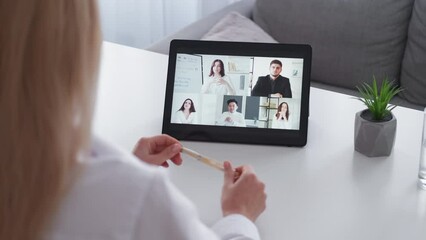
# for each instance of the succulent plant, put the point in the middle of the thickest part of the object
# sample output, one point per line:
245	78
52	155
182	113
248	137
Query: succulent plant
377	100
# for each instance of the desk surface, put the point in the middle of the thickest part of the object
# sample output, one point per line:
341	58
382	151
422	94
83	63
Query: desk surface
325	190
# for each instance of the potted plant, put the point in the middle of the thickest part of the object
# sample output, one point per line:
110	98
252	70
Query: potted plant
375	127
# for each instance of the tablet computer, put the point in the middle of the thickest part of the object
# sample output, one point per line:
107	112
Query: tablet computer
255	93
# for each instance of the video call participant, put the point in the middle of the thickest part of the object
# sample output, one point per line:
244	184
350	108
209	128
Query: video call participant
282	117
218	82
232	117
186	113
273	84
60	182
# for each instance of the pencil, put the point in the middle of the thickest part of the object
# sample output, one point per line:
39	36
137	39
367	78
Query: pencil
211	162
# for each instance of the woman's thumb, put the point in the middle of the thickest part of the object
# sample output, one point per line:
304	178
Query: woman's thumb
229	172
169	152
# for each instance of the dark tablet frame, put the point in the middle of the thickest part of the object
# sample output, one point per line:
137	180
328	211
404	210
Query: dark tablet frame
265	136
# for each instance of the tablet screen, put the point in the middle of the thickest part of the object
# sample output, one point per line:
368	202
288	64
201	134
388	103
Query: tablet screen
237	91
255	89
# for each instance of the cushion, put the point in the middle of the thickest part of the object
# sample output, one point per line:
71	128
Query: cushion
351	40
235	27
413	72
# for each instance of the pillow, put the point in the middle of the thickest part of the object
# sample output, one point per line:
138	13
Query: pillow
351	40
235	27
413	72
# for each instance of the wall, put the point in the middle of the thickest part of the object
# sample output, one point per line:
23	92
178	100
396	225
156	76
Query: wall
138	23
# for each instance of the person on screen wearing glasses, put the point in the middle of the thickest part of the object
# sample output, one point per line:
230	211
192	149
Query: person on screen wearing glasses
232	117
60	183
273	84
218	82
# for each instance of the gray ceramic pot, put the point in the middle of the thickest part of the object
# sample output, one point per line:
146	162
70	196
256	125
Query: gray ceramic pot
374	139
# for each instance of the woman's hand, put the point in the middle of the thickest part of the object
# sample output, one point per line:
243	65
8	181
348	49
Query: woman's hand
158	149
228	119
228	85
221	81
243	195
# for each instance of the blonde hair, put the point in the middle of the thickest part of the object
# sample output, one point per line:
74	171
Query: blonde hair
49	53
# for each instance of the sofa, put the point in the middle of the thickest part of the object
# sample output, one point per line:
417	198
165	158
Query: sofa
352	40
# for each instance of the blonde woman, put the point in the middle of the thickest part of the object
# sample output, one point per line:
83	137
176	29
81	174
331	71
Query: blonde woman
56	181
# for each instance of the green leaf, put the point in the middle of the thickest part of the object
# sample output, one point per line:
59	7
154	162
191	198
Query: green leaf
377	100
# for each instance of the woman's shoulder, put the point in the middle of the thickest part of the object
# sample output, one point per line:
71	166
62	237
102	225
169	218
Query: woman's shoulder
107	194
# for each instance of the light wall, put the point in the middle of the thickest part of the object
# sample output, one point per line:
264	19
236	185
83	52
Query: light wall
139	23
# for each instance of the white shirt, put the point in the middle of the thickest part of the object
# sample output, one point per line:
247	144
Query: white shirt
118	197
180	117
236	117
281	123
210	86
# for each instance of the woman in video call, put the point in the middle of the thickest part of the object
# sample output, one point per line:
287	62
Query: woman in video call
186	113
281	119
218	82
57	181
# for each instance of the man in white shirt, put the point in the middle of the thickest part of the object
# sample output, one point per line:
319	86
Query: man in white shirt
232	117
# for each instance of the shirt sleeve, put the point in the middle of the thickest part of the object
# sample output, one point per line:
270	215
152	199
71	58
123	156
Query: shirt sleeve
231	90
206	86
221	120
256	89
287	89
242	228
167	214
241	121
178	116
193	118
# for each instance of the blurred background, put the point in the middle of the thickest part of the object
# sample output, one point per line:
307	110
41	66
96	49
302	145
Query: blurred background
139	23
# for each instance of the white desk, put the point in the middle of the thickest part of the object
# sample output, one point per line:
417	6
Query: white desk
322	191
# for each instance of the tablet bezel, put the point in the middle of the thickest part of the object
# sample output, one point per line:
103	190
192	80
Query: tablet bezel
209	133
